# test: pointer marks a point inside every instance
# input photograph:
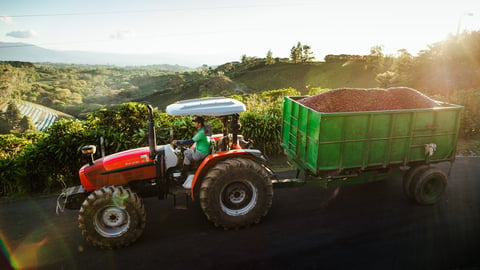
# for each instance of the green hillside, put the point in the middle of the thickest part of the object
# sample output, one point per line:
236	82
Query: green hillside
301	75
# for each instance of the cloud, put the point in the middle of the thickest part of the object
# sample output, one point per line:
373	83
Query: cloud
22	34
6	19
122	34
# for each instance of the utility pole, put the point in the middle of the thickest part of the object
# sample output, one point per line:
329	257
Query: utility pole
460	21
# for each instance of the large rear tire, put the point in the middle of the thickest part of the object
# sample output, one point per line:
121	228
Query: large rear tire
112	217
429	185
236	193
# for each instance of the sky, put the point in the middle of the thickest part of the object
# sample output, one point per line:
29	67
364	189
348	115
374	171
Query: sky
219	31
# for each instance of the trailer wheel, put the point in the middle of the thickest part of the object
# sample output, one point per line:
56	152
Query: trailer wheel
112	217
236	193
429	185
408	179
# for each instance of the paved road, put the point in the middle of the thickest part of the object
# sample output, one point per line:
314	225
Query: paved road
364	226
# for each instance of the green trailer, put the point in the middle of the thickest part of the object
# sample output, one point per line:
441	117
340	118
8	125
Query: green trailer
358	147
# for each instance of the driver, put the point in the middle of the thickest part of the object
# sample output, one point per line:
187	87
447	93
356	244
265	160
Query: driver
201	149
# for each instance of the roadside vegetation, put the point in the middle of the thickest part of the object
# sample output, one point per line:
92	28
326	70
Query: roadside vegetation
109	102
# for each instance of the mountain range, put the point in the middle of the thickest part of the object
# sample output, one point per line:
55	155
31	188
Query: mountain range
10	51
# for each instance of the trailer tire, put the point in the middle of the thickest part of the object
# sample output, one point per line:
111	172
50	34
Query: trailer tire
429	186
112	217
236	193
408	179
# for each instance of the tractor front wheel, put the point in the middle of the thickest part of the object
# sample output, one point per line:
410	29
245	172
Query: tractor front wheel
236	193
112	217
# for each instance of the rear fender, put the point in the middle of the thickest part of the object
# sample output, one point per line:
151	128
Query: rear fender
213	159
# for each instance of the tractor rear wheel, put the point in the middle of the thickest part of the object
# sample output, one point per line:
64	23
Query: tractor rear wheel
236	193
112	217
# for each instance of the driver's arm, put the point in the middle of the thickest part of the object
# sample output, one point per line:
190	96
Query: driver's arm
183	142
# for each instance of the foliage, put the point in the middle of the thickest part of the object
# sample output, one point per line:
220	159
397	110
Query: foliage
56	156
26	125
263	129
470	99
12	145
449	66
64	87
13	122
12	116
393	71
269	60
119	125
12	173
16	80
11	177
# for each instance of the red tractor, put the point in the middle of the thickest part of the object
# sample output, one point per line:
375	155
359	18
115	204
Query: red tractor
232	184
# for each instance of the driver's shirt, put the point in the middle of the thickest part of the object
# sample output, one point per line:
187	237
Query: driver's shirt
202	145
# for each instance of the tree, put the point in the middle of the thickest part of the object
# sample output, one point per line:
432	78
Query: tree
26	125
4	126
248	59
394	71
15	81
13	116
376	59
402	66
307	54
296	53
301	53
244	58
63	95
269	60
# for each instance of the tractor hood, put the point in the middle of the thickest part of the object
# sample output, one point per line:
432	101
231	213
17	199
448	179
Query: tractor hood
213	106
119	169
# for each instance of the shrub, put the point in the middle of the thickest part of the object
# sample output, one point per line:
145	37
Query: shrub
262	122
470	99
56	156
264	129
11	145
11	177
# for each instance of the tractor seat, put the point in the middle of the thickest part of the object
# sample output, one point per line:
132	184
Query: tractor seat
212	150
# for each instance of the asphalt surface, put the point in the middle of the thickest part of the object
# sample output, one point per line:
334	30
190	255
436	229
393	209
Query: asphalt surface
367	226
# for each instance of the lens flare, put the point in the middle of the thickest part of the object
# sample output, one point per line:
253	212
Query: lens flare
34	243
26	254
5	253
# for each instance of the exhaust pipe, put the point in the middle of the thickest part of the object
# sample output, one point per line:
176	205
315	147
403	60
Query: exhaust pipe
152	141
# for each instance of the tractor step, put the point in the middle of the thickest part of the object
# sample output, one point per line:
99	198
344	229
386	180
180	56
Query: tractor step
181	198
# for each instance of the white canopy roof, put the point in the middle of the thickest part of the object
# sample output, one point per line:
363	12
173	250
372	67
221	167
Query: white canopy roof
212	106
